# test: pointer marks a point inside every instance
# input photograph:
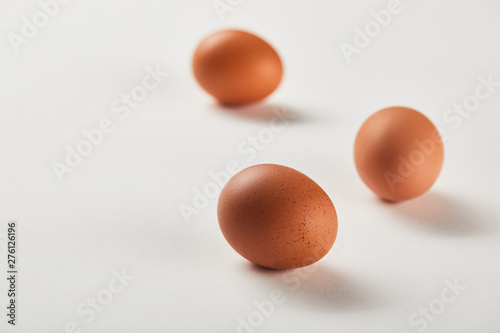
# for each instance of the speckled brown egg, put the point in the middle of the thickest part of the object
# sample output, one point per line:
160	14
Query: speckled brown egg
277	217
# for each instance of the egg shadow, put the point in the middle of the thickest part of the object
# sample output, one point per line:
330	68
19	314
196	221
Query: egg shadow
319	287
441	214
263	112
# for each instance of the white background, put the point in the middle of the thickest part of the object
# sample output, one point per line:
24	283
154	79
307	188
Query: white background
119	210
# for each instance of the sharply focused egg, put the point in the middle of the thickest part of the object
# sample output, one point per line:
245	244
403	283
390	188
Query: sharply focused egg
277	217
398	153
237	67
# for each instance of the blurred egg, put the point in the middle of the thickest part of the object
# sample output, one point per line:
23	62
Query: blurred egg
277	217
398	153
237	67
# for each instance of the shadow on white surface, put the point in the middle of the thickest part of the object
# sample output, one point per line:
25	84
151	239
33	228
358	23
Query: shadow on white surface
441	214
264	112
319	287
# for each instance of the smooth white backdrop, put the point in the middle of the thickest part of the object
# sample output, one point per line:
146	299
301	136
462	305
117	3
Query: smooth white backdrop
119	209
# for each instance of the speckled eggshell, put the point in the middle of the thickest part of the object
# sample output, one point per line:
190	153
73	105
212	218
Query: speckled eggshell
277	217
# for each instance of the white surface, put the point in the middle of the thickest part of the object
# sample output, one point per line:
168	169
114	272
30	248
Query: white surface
119	210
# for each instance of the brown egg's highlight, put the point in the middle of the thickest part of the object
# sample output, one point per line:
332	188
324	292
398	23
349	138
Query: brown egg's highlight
277	217
237	67
398	153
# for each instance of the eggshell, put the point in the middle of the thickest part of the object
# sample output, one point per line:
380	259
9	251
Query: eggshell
237	67
398	153
277	217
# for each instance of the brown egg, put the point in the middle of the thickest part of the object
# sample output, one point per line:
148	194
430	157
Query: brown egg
237	67
277	217
398	153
